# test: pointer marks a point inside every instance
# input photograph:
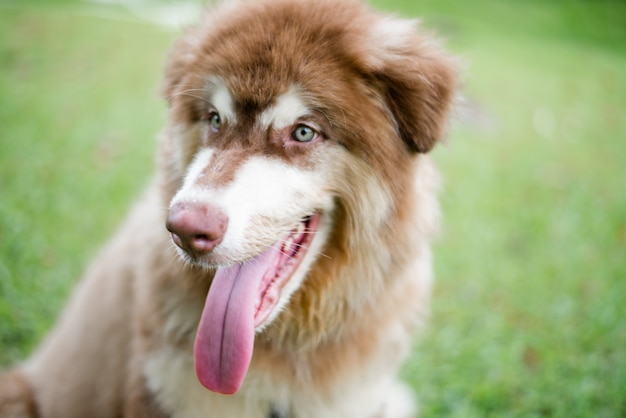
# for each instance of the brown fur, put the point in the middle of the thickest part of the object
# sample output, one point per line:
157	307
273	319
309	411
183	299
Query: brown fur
17	397
385	104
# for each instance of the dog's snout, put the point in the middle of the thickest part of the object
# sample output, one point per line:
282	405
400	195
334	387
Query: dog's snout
196	228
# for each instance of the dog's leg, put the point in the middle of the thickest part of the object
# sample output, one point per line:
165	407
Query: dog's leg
81	368
16	397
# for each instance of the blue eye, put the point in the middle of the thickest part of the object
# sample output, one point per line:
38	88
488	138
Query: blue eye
215	121
303	133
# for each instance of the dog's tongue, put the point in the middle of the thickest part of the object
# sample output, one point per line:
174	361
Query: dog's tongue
225	338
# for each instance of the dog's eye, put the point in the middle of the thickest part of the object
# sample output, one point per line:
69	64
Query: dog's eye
303	133
215	121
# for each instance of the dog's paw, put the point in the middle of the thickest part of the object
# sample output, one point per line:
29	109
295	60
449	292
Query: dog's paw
16	397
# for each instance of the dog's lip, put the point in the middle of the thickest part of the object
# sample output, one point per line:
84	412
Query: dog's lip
292	250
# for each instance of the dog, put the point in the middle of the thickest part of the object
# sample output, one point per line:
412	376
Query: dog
279	262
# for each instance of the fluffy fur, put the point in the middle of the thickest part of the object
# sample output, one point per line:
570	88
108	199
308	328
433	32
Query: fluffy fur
373	94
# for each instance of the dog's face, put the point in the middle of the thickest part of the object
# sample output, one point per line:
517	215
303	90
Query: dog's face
292	126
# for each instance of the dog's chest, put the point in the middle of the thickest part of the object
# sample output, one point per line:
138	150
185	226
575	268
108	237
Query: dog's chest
172	379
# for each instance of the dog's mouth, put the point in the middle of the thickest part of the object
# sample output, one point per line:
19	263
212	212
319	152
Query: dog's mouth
242	298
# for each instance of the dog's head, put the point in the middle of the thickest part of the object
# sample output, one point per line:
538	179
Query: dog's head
293	126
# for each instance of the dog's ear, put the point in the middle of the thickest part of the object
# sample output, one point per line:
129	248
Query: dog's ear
417	78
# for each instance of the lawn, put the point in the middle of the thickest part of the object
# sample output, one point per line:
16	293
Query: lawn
528	317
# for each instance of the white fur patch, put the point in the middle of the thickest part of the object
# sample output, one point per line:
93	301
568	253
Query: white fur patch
389	39
269	188
222	99
195	172
288	109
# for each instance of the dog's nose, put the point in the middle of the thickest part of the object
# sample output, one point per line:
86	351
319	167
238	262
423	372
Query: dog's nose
196	228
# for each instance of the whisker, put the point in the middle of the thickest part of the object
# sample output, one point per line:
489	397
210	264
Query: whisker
303	247
187	93
280	251
318	252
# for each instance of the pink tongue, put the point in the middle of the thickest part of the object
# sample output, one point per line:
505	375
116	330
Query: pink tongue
225	338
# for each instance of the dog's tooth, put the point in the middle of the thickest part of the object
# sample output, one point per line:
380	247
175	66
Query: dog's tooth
299	232
288	245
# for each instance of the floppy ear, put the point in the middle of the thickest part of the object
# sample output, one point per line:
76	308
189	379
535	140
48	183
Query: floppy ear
417	78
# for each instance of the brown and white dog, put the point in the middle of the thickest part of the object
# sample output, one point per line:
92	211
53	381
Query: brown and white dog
301	205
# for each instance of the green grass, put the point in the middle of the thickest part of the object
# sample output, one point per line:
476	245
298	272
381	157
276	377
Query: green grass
528	315
79	112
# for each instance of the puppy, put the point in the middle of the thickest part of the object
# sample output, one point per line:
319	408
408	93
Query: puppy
293	263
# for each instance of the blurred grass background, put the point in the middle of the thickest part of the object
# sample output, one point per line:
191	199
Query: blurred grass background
529	318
